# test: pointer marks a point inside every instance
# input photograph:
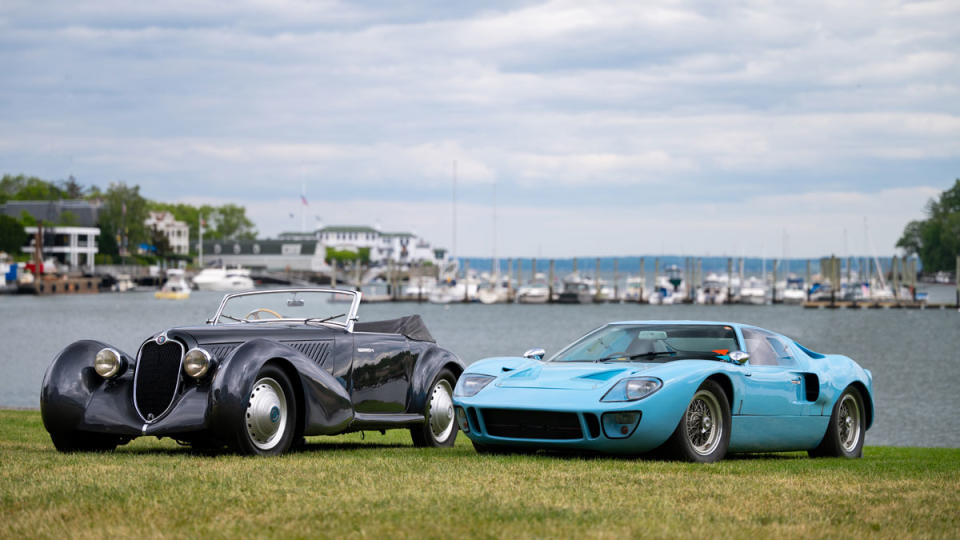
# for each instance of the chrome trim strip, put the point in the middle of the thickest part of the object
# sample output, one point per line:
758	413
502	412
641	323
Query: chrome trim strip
176	389
351	314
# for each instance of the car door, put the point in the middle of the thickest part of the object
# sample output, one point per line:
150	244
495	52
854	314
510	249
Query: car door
773	382
381	373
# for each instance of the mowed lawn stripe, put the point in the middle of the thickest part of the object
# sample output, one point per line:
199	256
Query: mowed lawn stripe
378	485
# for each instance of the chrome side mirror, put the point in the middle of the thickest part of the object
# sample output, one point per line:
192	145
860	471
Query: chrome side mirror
738	357
537	353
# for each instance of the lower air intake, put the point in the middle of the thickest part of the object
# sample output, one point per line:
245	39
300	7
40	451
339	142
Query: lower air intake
524	424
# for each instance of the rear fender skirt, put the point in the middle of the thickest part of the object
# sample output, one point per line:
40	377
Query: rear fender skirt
327	407
70	382
432	360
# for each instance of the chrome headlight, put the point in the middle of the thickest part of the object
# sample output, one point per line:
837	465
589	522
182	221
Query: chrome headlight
197	362
108	363
469	385
633	389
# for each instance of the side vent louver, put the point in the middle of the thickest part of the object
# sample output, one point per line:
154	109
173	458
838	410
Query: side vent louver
315	350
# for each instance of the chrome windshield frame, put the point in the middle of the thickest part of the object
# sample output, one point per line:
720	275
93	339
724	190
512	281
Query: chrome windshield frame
351	314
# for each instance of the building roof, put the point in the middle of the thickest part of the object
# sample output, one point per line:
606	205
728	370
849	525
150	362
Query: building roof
398	234
87	213
348	228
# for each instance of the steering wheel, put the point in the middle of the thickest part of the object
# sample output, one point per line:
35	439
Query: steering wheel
255	314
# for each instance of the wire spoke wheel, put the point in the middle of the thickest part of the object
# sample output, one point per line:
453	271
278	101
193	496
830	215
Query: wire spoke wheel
704	423
848	423
266	415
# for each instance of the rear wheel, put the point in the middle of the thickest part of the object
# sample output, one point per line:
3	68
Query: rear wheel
703	433
844	437
269	422
439	428
78	441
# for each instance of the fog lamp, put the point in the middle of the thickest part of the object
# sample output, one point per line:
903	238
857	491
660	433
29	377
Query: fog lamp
197	362
462	420
108	363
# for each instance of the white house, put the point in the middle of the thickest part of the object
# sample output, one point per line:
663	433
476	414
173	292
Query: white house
76	246
177	232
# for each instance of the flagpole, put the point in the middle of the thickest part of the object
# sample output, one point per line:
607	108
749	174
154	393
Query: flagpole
303	203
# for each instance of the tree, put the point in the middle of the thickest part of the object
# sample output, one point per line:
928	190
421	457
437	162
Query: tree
71	189
12	235
233	223
123	213
160	242
936	240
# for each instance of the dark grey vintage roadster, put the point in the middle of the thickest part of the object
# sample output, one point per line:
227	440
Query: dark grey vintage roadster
269	368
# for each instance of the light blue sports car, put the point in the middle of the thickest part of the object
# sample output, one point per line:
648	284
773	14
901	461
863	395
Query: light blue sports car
693	390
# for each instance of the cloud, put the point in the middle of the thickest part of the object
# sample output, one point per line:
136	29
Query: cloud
571	104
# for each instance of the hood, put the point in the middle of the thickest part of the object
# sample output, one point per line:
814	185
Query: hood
567	376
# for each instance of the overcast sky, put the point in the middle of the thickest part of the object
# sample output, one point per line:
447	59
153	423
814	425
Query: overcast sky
604	128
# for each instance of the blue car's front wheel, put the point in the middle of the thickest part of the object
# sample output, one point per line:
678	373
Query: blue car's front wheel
703	433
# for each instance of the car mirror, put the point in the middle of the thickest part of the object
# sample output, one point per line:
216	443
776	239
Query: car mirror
536	353
738	357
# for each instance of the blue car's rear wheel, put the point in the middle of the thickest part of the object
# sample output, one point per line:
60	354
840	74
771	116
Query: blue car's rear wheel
703	433
844	436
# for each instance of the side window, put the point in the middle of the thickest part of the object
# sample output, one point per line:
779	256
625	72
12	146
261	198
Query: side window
759	348
766	349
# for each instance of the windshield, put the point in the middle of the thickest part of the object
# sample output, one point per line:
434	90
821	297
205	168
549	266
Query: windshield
650	343
309	306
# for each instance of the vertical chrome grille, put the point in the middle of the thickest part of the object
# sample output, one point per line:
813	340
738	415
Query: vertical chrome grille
157	378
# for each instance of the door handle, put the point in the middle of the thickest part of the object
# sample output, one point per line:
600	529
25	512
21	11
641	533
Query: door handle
747	374
796	381
364	349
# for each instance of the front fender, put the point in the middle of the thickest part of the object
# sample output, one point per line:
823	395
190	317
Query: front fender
431	361
323	402
70	381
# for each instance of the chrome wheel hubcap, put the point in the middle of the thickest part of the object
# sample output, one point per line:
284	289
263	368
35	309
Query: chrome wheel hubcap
440	414
848	419
266	416
704	423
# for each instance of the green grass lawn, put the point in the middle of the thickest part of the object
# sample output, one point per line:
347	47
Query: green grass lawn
381	486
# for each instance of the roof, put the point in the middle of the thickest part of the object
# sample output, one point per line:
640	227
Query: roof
348	228
397	234
87	213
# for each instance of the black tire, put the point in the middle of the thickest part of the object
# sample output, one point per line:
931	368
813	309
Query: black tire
268	426
435	432
840	440
78	441
698	437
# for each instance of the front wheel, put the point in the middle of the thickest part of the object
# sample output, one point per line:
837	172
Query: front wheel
439	428
269	422
703	433
844	437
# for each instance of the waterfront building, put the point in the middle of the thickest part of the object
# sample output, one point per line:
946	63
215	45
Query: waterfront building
308	250
72	241
177	232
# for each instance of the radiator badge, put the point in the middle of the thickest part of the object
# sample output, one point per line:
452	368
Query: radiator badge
161	339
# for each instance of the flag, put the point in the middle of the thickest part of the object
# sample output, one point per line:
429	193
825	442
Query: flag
303	198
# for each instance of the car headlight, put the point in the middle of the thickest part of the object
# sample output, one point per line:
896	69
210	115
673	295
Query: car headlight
469	385
633	389
108	363
197	362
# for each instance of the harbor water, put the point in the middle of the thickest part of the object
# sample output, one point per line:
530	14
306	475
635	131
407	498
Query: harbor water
914	354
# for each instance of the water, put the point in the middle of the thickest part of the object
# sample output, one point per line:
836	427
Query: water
914	355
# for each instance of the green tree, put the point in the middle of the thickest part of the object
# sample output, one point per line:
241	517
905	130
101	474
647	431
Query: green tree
233	223
71	189
12	235
68	219
123	212
936	240
160	242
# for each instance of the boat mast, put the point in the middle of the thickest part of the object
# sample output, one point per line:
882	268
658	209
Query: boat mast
453	244
496	262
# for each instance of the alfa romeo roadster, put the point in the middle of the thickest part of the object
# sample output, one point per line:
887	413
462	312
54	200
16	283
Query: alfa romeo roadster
269	368
691	390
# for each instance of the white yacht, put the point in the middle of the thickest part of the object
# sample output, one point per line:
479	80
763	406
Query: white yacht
714	289
753	291
535	292
175	288
494	290
793	292
634	290
223	279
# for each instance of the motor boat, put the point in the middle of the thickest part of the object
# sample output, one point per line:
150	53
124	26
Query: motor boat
496	290
223	279
175	288
535	292
753	291
794	291
634	290
714	290
577	290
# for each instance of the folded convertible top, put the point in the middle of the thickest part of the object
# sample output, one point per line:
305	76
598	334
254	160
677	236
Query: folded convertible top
411	326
